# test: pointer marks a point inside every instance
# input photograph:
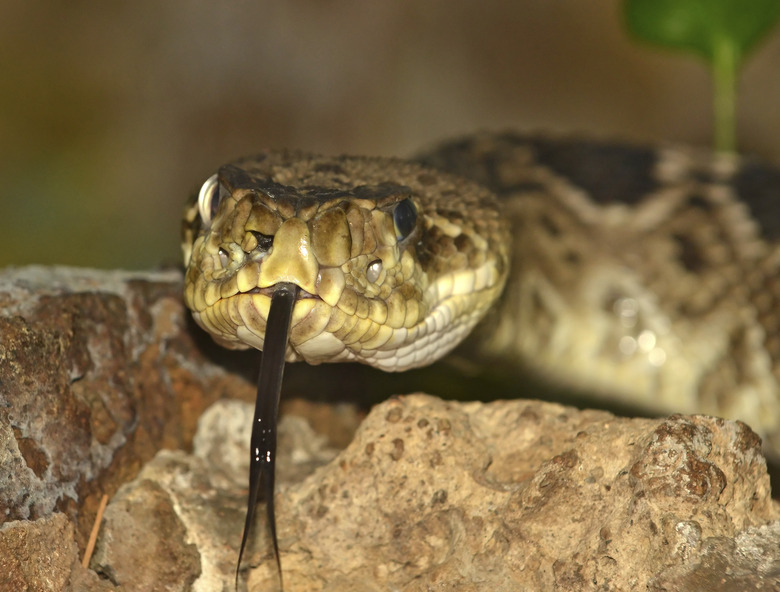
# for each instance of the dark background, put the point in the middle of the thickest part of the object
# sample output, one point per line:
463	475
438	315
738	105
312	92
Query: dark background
111	113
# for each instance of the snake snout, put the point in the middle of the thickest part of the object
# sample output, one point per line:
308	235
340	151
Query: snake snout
291	259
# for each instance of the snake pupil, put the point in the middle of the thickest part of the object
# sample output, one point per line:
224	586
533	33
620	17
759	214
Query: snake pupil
404	218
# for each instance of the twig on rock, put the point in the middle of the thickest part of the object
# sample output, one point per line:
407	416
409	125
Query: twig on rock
95	529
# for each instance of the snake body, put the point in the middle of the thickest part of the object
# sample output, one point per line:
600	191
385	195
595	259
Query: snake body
648	275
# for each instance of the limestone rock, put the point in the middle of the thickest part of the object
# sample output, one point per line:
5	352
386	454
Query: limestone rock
749	561
41	556
20	540
98	370
194	505
510	495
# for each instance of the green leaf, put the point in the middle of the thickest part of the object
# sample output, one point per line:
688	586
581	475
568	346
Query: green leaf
702	26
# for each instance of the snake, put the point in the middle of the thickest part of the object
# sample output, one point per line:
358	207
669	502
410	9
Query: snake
642	274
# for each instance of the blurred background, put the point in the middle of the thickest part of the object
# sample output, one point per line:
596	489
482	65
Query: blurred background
112	113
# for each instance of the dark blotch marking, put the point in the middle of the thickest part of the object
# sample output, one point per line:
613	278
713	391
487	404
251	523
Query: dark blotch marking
329	168
689	253
758	185
573	258
700	202
426	179
462	243
608	172
549	225
567	460
382	191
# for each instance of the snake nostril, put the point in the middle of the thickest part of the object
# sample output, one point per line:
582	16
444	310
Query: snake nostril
264	241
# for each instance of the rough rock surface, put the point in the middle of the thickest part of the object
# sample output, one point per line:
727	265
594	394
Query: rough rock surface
510	495
98	371
102	376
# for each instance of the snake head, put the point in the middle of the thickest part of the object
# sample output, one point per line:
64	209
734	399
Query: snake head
394	263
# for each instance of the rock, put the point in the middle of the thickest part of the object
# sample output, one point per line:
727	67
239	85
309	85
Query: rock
144	544
98	371
472	496
195	504
103	380
749	561
20	540
41	556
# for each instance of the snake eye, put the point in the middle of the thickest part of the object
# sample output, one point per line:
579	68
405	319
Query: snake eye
208	199
404	218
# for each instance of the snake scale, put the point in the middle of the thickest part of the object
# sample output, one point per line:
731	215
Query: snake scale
647	275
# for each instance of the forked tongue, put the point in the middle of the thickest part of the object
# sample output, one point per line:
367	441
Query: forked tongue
262	459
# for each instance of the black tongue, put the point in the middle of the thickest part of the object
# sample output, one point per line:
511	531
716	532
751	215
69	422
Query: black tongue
262	459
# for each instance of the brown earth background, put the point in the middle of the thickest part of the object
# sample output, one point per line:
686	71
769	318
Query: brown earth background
111	113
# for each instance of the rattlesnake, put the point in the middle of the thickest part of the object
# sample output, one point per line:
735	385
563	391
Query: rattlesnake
648	275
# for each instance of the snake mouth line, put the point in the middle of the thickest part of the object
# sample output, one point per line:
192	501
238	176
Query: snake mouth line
269	291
